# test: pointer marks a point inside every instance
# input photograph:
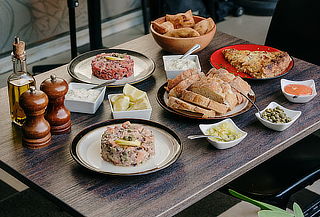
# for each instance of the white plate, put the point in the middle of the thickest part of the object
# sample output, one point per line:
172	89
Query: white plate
231	113
162	98
80	67
86	149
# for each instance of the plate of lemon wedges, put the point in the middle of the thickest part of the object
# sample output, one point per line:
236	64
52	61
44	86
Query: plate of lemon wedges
132	103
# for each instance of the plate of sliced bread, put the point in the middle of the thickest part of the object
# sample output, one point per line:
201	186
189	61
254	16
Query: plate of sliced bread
216	95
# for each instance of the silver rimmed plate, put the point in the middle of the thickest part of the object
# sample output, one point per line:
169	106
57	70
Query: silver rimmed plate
80	67
162	98
85	149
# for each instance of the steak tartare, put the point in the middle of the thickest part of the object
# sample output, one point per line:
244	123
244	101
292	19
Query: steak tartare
127	145
112	66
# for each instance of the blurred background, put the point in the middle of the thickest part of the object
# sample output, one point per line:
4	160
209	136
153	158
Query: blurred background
44	24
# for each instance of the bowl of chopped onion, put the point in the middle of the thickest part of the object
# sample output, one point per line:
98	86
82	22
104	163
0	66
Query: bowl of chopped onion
226	133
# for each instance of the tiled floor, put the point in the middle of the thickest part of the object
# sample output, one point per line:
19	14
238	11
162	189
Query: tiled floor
251	28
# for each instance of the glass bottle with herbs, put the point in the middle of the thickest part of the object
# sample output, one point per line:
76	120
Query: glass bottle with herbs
19	81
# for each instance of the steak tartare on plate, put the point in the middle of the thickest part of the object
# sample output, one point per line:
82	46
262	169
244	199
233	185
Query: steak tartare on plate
127	145
112	66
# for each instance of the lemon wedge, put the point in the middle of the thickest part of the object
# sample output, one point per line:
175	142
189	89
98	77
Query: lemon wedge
141	104
121	103
134	93
113	58
127	143
116	97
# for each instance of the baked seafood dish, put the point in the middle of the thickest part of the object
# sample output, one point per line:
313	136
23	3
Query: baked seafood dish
112	66
127	145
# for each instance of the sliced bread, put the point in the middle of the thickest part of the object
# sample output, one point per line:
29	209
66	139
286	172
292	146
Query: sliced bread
208	88
182	76
176	103
222	74
230	96
240	85
235	81
204	102
183	85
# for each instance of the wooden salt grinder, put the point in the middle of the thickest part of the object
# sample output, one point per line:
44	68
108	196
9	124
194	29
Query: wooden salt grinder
57	114
36	130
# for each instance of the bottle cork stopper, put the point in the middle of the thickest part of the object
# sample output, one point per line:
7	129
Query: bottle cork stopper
18	48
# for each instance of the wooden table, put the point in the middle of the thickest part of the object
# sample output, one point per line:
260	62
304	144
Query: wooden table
200	170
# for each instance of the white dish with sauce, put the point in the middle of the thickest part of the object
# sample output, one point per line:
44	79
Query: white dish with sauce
174	66
83	105
221	144
299	98
294	115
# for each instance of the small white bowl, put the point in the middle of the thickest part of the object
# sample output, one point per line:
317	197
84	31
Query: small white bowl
294	115
171	74
221	144
139	114
82	106
300	98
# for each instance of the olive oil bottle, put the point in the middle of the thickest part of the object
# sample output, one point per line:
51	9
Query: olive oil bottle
18	82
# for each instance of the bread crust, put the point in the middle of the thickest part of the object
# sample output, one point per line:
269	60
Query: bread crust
183	85
181	20
162	28
182	76
204	102
176	103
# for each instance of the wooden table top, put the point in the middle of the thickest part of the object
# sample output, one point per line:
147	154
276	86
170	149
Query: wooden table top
200	170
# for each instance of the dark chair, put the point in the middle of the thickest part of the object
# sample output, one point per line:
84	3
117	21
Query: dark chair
275	180
293	28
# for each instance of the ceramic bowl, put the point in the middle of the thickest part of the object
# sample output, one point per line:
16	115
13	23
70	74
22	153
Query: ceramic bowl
138	114
182	45
300	98
221	144
171	74
294	115
83	106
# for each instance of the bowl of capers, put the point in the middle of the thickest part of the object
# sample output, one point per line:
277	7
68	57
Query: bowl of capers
277	117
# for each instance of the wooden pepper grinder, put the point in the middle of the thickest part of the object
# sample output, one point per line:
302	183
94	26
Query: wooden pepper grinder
57	114
36	130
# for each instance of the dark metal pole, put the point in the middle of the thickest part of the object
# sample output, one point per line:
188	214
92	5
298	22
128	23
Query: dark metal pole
145	16
73	30
94	19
